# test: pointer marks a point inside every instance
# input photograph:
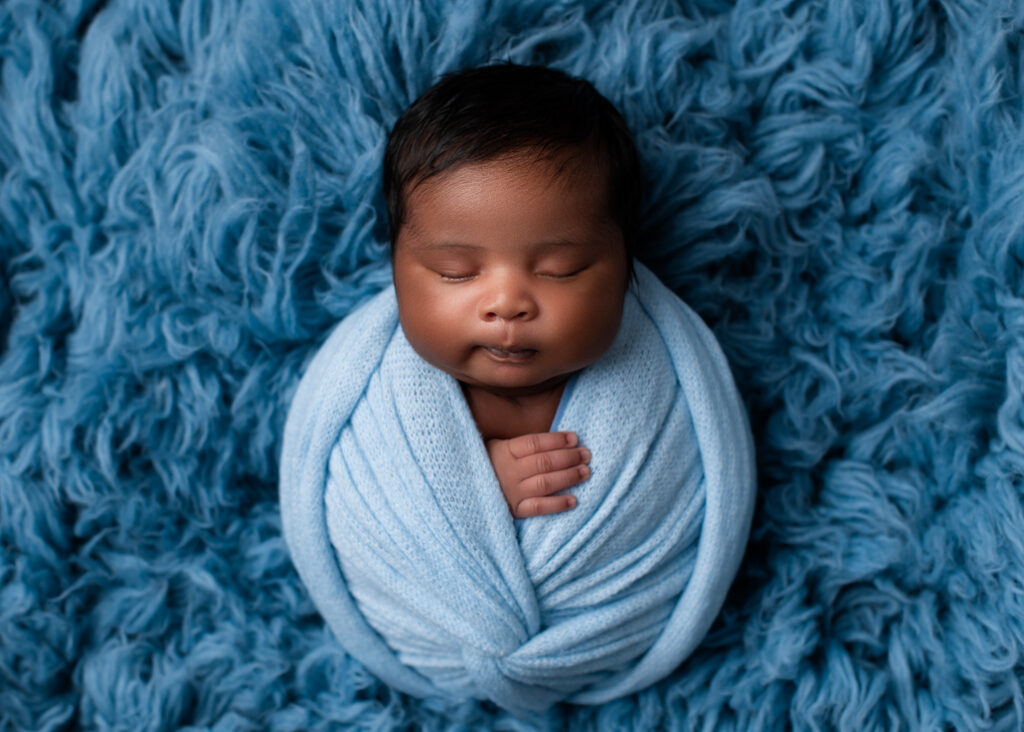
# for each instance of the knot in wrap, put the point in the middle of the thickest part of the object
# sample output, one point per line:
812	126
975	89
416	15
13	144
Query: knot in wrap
399	530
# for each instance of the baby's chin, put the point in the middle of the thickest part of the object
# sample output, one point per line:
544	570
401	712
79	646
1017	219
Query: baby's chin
476	370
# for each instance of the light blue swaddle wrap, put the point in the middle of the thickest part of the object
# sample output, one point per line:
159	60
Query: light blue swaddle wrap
399	530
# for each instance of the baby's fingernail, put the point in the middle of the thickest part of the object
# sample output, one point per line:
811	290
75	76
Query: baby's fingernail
584	472
572	501
570	438
585	454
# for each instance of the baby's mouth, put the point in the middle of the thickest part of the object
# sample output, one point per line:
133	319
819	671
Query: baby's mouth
512	355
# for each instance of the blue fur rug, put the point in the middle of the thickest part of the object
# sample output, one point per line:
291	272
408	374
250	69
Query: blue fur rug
190	198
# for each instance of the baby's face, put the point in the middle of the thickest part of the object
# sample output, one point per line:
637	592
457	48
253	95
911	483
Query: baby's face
508	275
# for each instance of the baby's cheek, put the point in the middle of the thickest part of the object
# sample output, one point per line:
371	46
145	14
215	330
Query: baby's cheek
594	327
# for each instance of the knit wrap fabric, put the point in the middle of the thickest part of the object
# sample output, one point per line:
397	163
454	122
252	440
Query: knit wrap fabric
398	527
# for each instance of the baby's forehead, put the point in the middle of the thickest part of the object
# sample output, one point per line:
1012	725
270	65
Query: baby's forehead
510	200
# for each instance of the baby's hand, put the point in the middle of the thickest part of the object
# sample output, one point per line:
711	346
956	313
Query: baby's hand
532	467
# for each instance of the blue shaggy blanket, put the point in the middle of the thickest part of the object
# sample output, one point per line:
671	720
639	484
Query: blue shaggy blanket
189	199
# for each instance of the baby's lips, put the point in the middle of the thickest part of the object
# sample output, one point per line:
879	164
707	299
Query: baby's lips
500	352
512	344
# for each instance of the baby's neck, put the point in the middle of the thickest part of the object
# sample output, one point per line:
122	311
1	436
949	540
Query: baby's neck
504	416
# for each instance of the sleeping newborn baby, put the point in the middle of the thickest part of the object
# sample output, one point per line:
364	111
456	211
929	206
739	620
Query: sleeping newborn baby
439	494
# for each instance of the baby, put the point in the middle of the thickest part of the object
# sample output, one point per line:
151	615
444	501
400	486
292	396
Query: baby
512	196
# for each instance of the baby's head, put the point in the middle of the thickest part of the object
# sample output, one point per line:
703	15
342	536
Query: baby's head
512	197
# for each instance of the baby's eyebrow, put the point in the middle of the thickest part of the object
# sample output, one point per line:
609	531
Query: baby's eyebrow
550	244
558	243
450	245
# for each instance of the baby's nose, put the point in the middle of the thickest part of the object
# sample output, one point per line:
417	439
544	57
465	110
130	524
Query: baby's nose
508	301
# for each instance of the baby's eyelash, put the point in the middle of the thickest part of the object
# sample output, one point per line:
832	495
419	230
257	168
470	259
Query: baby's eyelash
454	278
564	276
450	277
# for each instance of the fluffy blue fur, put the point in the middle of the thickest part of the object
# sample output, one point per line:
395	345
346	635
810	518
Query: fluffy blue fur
190	198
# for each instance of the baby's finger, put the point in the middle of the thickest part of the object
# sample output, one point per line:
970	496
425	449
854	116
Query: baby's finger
547	483
541	442
553	460
538	506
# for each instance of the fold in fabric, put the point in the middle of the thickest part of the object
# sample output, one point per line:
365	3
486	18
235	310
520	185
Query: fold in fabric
399	530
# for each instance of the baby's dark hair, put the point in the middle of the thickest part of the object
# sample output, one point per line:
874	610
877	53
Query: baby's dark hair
490	111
